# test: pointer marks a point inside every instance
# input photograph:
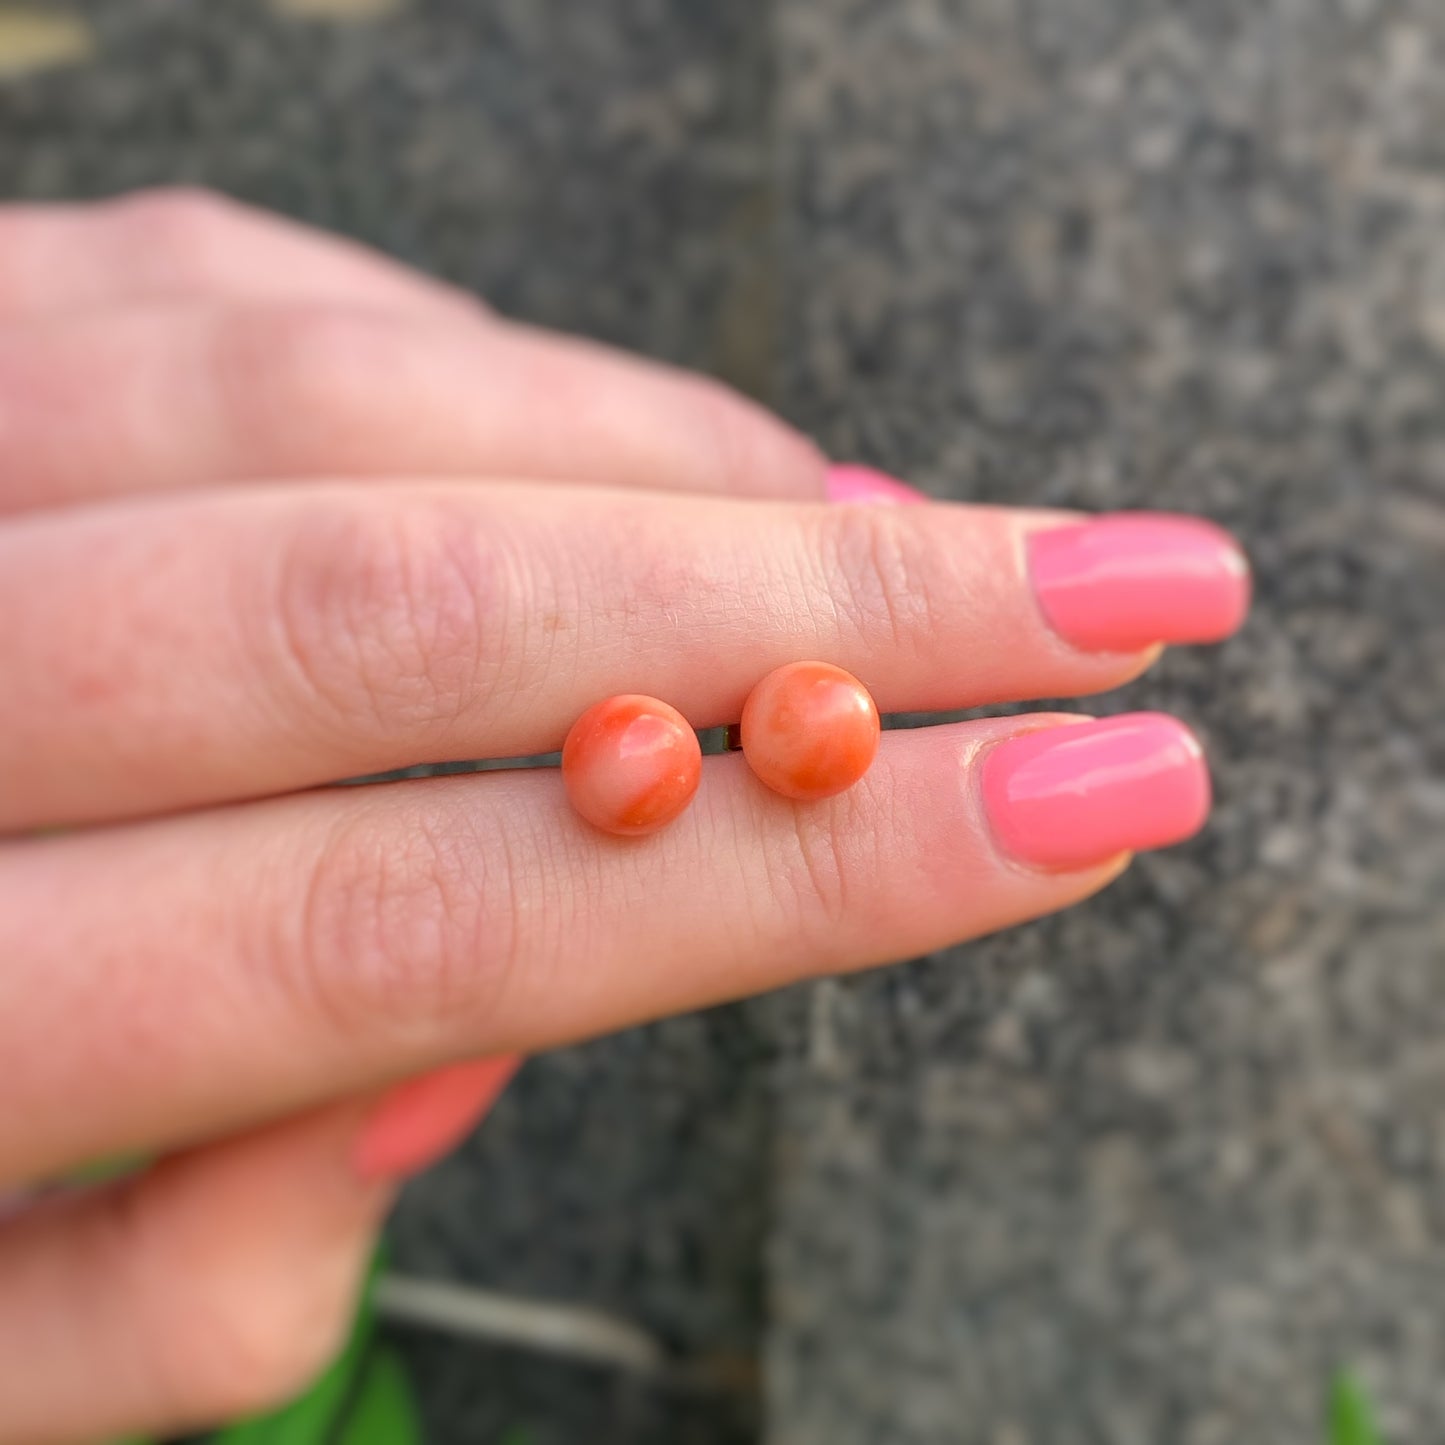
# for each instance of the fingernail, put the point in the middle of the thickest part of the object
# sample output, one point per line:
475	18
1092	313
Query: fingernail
423	1120
1076	795
849	483
1121	583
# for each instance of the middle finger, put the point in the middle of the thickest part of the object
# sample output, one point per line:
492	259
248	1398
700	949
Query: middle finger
240	963
227	645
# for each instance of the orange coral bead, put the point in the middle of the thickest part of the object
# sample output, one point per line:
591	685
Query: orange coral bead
810	730
631	764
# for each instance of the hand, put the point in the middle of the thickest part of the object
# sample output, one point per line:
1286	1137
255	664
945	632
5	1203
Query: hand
275	513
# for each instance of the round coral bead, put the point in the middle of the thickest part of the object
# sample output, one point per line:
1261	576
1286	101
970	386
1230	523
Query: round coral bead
810	730
631	764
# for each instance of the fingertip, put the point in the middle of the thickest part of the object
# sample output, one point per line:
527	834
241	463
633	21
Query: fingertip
419	1122
1125	581
1069	798
848	482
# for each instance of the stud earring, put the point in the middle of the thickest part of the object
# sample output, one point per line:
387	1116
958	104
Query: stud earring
630	765
809	730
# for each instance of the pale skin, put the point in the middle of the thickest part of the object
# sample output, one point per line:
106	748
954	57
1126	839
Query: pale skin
275	512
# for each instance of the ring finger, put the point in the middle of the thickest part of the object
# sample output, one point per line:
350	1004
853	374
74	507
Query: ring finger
208	1286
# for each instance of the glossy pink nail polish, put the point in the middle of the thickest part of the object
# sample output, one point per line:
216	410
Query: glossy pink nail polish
1125	582
1082	793
849	483
421	1121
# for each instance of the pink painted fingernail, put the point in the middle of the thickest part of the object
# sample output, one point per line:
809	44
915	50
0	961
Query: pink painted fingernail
1120	583
423	1120
1080	794
849	483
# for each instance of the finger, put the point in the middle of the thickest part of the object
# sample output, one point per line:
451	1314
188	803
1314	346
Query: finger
235	963
194	245
422	1120
231	645
217	1283
156	400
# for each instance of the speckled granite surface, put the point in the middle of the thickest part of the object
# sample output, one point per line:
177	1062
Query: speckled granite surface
1147	1172
1140	1175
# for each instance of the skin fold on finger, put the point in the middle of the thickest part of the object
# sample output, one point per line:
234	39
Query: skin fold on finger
76	259
233	645
213	1285
242	963
170	397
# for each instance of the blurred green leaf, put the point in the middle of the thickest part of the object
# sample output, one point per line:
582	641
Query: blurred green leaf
317	1416
102	1171
1352	1419
383	1412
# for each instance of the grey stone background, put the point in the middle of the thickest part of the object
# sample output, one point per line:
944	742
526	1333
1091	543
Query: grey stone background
1143	1174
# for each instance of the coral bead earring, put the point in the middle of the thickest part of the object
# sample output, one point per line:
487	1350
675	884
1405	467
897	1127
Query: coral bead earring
631	764
810	730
